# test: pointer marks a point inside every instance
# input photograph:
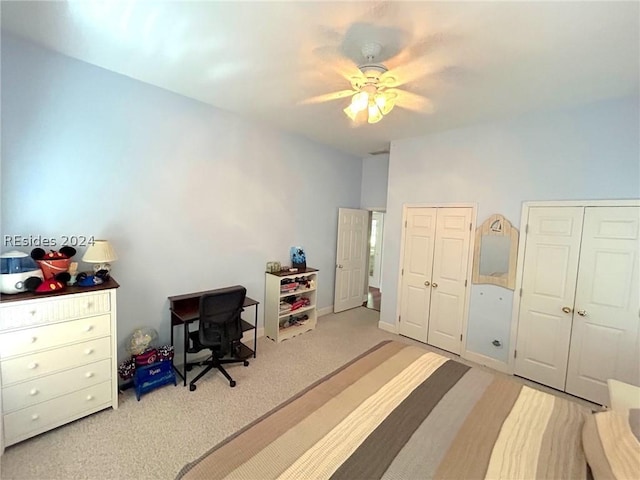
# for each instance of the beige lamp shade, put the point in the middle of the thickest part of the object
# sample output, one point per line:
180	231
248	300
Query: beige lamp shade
100	254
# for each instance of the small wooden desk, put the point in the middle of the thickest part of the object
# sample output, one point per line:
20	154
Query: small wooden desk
185	309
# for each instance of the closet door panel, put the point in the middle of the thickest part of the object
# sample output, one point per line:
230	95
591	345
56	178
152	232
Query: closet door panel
417	270
552	251
604	342
450	268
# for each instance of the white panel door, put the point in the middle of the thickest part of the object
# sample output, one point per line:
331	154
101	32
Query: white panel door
449	278
417	265
604	341
551	256
351	260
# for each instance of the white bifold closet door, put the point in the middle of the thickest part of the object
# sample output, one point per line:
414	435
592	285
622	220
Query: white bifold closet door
579	310
434	275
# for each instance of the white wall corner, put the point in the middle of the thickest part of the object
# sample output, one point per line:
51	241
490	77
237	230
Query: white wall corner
325	310
388	328
487	361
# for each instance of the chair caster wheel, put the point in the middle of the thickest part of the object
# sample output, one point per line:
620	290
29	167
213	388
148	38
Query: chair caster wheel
192	388
232	383
245	363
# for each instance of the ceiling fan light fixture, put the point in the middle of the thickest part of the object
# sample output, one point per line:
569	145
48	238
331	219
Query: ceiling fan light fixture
375	115
359	101
351	113
384	102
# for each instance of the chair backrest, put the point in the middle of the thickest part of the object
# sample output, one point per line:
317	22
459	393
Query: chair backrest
220	324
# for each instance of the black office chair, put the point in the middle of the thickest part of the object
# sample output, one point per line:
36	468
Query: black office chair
220	331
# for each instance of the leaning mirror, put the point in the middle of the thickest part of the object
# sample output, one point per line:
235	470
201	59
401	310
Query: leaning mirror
495	252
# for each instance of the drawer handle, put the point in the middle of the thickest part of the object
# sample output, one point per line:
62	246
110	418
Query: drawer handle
89	397
88	328
32	366
35	416
33	391
34	339
88	351
89	374
89	304
32	312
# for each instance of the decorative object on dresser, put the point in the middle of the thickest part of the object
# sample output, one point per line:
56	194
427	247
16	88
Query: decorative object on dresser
15	268
53	263
290	300
100	253
57	358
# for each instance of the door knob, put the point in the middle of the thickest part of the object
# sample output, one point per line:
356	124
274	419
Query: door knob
566	309
435	285
582	313
339	266
426	284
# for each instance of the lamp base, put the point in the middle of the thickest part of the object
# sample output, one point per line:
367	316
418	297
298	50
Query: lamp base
102	270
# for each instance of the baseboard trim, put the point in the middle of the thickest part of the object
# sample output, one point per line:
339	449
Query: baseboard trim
325	311
487	361
387	327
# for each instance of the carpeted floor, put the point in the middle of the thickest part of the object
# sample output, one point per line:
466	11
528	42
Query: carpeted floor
156	437
171	426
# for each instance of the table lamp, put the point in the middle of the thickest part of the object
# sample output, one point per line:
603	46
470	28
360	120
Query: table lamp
100	253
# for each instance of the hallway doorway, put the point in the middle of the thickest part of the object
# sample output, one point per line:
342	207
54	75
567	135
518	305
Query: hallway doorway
376	227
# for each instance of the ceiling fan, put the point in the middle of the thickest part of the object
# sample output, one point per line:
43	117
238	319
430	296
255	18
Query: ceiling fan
373	93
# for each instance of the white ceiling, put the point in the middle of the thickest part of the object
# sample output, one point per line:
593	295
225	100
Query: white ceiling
473	61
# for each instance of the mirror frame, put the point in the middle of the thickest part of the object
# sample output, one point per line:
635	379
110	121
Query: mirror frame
496	225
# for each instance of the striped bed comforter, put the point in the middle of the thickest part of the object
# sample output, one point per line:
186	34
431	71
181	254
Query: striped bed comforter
401	412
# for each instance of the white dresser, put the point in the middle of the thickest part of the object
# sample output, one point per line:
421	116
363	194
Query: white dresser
58	359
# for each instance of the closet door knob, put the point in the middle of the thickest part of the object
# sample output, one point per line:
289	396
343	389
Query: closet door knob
339	266
426	284
435	285
582	313
566	309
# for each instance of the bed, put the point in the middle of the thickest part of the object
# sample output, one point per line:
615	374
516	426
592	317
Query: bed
402	412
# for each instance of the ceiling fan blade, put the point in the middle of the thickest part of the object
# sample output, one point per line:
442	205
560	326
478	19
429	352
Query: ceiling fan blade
413	102
332	59
327	97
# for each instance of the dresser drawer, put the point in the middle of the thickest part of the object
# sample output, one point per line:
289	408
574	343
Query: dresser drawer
41	417
47	310
45	388
49	336
42	363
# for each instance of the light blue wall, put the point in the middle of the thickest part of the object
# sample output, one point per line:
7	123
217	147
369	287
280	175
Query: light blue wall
191	197
591	152
375	175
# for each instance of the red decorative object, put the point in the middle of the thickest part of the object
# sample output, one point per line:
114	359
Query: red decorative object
146	358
